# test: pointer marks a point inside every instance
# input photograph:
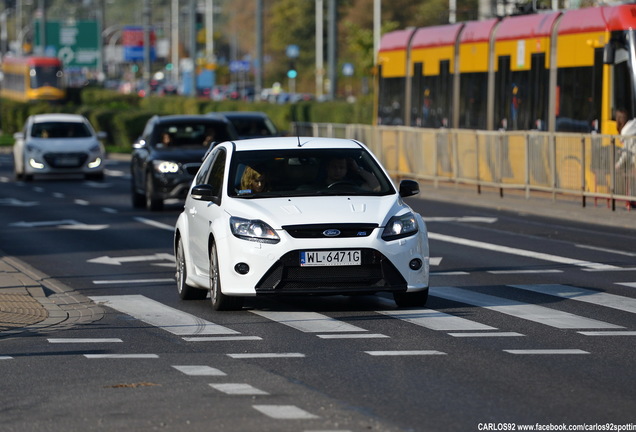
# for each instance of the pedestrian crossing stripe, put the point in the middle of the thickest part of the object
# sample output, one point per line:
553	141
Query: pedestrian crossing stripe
530	312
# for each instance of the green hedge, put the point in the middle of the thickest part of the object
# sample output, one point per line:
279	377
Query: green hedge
123	117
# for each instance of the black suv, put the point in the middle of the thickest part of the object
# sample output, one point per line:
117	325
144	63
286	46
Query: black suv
251	124
168	154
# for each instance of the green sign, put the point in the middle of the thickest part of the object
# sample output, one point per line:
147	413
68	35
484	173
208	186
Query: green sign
76	43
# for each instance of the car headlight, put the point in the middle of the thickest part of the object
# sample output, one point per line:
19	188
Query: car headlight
165	167
400	226
253	230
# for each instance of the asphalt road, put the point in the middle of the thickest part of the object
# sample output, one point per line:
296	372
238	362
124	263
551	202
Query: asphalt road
531	320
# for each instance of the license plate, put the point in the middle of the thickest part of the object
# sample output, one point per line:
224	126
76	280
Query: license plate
67	161
330	258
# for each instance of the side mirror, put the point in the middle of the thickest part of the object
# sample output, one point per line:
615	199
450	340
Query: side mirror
203	192
409	188
608	54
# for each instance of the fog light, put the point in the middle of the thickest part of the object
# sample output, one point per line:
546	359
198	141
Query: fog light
415	264
241	268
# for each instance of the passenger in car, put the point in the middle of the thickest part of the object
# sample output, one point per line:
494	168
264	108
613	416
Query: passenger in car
253	181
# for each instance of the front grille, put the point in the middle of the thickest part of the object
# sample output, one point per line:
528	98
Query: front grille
318	230
375	274
65	160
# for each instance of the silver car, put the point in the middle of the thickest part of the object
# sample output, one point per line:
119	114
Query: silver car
58	144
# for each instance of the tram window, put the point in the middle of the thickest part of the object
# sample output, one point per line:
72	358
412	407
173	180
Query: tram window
622	81
391	101
473	100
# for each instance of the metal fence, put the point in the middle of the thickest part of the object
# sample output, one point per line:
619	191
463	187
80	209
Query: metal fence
566	164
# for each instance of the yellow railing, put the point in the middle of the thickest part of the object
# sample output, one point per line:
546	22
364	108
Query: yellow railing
566	164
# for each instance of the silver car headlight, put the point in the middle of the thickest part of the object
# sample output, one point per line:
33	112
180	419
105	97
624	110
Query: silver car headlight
165	167
400	226
253	230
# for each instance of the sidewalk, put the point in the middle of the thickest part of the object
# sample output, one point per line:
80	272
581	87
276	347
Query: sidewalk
30	301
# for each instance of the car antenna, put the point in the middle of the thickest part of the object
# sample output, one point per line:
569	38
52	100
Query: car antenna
296	125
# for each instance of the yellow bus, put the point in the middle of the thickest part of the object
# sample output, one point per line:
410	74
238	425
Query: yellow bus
30	79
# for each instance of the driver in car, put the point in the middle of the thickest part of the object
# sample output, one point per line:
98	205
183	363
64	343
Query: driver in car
346	170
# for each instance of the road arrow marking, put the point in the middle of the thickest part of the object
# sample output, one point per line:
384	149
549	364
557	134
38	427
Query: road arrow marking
24	224
139	258
17	203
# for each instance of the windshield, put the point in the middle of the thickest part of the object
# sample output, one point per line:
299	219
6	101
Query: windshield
301	172
194	134
46	76
60	130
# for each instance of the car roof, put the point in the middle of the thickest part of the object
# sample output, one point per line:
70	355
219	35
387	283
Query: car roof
58	117
286	143
244	114
190	117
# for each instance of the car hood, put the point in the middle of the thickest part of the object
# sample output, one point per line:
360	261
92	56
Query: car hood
278	212
64	144
182	155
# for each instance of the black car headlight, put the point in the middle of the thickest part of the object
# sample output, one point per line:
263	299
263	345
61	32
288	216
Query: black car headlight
400	226
166	167
253	230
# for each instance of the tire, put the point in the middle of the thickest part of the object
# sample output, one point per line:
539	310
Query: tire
411	299
220	301
152	203
186	292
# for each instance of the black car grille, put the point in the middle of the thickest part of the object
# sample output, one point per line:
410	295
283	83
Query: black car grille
376	273
320	230
65	160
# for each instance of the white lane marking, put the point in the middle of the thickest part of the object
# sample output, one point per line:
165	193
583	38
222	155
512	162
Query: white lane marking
265	355
613	251
309	322
461	219
405	353
487	334
613	301
109	210
132	281
530	312
506	272
627	284
435	261
450	273
616	269
436	320
121	356
199	370
521	252
155	224
238	389
162	316
284	412
353	336
84	340
221	338
6	357
81	202
608	333
546	351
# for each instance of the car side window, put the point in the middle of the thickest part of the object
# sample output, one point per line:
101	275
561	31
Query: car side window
217	170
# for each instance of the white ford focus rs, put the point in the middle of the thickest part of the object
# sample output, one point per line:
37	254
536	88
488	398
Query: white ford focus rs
298	215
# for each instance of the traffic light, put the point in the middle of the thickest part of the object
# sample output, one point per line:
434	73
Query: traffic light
291	71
